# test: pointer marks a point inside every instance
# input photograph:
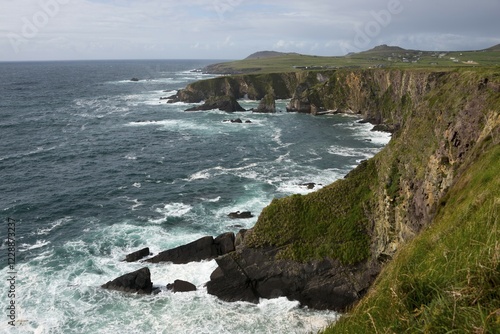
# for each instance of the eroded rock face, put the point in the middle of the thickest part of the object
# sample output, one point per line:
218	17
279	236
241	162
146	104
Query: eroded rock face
253	273
136	282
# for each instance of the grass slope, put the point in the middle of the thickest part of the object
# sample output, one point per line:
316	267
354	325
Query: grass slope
310	227
447	280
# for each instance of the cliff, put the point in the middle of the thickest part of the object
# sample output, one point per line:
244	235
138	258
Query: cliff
252	86
326	249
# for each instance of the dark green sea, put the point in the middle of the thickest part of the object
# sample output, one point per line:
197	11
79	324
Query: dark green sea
94	166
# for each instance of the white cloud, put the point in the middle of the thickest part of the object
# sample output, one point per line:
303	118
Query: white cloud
84	29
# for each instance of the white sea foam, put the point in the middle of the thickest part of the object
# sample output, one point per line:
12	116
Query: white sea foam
38	244
53	226
212	200
170	210
35	151
363	153
73	299
364	132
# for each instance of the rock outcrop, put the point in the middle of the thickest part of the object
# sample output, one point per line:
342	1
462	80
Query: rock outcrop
223	103
136	282
253	273
267	104
138	255
205	248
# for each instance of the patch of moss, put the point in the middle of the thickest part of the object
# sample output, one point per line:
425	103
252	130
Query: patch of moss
331	222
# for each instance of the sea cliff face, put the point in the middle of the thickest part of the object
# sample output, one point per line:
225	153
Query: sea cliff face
326	248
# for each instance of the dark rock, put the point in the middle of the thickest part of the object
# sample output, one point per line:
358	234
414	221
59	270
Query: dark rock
249	274
248	122
134	79
224	103
136	282
267	104
181	286
240	215
381	127
195	251
225	243
205	248
238	120
136	256
310	185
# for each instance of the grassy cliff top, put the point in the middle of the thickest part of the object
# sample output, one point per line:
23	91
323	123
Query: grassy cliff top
447	280
380	56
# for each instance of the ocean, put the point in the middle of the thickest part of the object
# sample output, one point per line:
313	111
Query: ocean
95	166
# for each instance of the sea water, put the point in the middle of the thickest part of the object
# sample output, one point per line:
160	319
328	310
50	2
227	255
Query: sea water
94	166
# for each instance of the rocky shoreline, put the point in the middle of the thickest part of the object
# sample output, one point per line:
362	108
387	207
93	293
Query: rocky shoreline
326	249
250	274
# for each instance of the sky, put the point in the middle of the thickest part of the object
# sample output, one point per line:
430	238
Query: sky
234	29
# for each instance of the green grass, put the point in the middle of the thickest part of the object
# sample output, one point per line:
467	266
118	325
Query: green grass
447	280
328	223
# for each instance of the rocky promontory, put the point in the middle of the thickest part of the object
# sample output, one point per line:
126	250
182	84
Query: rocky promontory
326	248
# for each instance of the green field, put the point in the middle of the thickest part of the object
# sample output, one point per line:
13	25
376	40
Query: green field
381	56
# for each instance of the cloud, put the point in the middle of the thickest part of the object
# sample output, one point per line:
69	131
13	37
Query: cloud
98	29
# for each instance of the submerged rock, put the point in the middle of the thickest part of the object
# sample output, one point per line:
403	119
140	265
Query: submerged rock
310	185
240	215
181	286
134	79
136	282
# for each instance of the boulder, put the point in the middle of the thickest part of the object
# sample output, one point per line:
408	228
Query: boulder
206	248
199	250
225	243
181	286
136	282
134	79
267	104
136	256
224	103
240	215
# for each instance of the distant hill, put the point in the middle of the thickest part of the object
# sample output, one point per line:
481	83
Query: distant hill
494	48
386	48
268	54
